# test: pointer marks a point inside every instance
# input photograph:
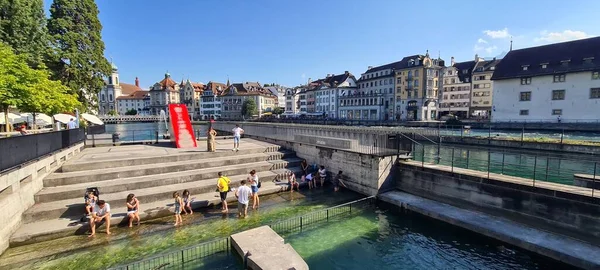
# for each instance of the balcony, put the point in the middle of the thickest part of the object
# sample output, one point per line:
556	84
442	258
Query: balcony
409	78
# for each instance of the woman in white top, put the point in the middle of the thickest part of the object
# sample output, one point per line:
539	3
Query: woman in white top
322	175
254	186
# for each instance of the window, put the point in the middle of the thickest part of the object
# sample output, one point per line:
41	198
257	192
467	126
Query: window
556	112
559	78
558	94
544	66
524	112
596	75
526	81
476	86
595	93
525	96
525	67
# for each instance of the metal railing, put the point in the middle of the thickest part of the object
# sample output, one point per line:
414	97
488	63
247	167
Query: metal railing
18	150
299	223
370	141
180	258
523	134
535	167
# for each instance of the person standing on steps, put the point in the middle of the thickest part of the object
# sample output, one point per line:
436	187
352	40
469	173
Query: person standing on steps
212	134
243	194
254	186
178	206
101	212
322	175
237	135
223	188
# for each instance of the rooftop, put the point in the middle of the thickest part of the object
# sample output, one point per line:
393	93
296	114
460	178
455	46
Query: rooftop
565	57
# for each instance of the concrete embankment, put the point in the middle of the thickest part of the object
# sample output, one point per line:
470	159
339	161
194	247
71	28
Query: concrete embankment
18	187
558	247
565	209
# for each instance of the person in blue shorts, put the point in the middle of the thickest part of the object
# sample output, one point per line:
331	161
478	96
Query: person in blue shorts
237	135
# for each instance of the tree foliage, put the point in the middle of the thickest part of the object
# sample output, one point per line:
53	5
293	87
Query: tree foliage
278	110
78	56
23	28
131	112
29	89
249	108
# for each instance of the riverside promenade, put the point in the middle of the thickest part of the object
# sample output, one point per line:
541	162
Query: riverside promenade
152	173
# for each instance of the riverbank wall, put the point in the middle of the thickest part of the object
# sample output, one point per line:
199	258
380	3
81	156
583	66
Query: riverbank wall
566	210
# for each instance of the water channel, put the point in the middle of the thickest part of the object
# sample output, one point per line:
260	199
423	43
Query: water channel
371	239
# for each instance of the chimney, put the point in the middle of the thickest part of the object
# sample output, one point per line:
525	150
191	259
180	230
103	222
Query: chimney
452	61
370	67
346	72
137	82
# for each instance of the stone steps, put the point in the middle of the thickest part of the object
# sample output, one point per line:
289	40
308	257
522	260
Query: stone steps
152	174
44	230
207	183
79	177
75	165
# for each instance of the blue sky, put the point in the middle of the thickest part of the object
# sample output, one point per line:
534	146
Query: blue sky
290	41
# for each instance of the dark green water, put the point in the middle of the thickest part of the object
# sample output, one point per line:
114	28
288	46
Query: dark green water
387	239
557	169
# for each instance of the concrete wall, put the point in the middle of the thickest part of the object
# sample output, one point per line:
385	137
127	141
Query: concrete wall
18	187
565	213
585	149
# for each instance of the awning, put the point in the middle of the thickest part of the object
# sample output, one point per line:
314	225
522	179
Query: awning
267	113
92	119
12	118
40	119
63	118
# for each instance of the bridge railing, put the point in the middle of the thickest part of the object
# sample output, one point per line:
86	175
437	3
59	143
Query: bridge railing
372	141
18	150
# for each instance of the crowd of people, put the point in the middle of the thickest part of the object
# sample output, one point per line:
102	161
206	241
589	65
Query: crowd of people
98	211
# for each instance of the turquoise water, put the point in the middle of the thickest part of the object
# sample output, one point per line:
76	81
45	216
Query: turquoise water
386	239
557	169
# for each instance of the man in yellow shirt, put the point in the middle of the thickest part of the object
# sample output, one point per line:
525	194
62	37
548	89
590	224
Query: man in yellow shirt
223	187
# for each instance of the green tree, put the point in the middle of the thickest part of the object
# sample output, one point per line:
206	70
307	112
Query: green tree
278	110
112	113
131	112
78	50
23	27
28	89
249	108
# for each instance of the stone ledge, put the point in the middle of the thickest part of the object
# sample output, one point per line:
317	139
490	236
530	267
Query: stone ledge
266	250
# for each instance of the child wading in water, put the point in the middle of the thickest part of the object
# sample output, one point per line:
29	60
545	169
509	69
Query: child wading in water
178	205
187	202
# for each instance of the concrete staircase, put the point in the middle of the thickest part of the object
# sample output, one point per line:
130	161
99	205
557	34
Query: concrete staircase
59	205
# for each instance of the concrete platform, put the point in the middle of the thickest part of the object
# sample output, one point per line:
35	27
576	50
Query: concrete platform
152	173
557	247
266	250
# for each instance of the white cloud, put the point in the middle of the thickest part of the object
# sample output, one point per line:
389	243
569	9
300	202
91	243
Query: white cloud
491	49
481	40
566	35
487	49
497	34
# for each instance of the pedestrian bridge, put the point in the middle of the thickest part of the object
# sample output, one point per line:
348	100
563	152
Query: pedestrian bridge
129	118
